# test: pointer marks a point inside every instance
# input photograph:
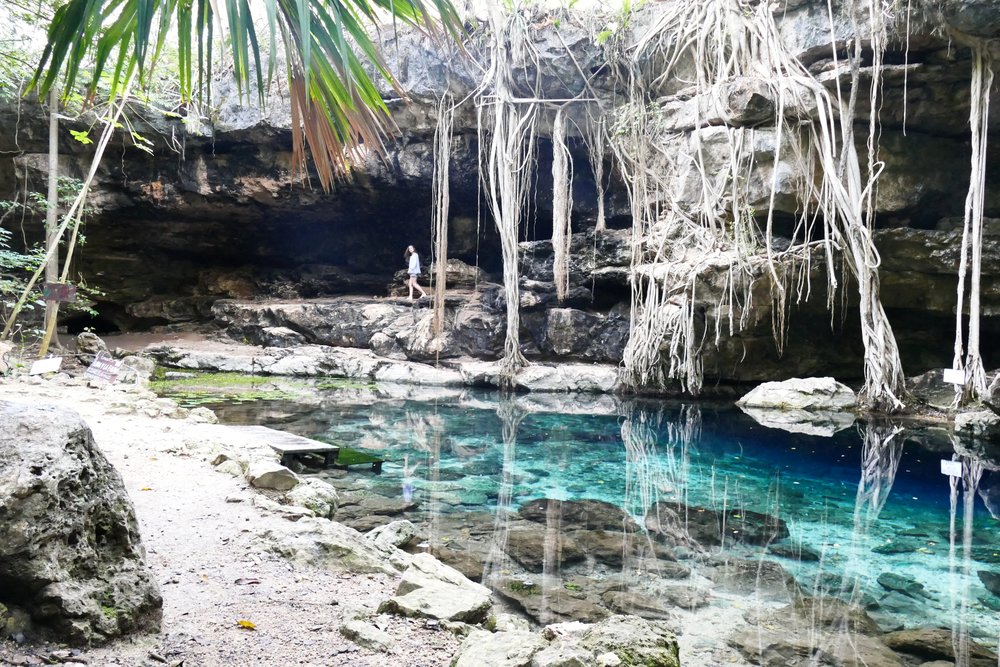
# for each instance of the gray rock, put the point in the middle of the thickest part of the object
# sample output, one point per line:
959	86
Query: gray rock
367	635
269	474
315	494
499	649
88	345
80	570
807	422
633	640
563	654
396	534
700	527
329	545
431	589
976	421
800	394
643	606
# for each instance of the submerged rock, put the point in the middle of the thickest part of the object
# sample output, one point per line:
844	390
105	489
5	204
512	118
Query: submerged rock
550	602
583	514
689	525
902	584
70	550
937	644
315	494
991	580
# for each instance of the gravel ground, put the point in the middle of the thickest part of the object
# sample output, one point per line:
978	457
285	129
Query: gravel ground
199	530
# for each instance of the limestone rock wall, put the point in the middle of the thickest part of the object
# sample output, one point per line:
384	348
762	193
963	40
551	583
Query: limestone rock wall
217	213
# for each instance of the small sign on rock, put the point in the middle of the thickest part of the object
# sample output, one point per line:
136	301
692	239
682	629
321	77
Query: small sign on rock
105	368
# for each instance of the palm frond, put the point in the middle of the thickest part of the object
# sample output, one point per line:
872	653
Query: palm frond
337	109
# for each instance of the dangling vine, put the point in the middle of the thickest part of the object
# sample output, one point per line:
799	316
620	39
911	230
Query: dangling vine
689	171
562	205
440	200
976	385
507	160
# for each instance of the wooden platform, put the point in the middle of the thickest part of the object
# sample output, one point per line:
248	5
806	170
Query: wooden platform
289	445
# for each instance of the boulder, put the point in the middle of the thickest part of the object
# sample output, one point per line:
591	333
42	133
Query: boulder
367	635
89	345
499	649
70	549
314	494
396	534
813	394
431	589
563	654
643	606
634	641
976	421
136	369
268	474
329	545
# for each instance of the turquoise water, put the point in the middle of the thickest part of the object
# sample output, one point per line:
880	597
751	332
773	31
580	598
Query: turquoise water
474	452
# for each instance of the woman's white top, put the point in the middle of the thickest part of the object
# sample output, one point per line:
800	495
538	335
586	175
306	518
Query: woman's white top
414	264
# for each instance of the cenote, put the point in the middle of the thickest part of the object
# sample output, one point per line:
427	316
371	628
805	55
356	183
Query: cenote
696	502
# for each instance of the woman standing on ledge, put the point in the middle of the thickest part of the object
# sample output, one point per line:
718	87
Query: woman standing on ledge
413	258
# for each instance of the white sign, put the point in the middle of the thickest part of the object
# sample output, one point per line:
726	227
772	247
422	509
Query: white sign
954	375
50	365
951	468
105	368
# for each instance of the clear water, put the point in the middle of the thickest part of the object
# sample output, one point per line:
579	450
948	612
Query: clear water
474	452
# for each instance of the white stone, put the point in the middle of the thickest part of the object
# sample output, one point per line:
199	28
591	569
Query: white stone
317	495
499	649
801	394
431	589
367	635
978	420
392	535
230	467
267	474
328	545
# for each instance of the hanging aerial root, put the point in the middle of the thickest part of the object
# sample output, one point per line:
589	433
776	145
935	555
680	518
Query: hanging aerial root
562	205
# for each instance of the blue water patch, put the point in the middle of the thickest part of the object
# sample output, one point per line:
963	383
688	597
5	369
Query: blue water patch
869	515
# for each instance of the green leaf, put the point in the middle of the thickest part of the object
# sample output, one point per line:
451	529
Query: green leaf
81	136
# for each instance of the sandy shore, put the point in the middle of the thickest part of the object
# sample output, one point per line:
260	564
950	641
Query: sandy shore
202	538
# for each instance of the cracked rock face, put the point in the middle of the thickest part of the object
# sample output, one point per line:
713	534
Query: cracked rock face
70	550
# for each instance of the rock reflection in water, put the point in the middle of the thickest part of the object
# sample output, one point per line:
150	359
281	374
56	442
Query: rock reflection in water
766	547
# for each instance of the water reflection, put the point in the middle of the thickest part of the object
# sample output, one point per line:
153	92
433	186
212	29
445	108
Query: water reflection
759	542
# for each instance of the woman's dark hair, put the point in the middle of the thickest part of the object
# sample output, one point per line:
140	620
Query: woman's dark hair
406	254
